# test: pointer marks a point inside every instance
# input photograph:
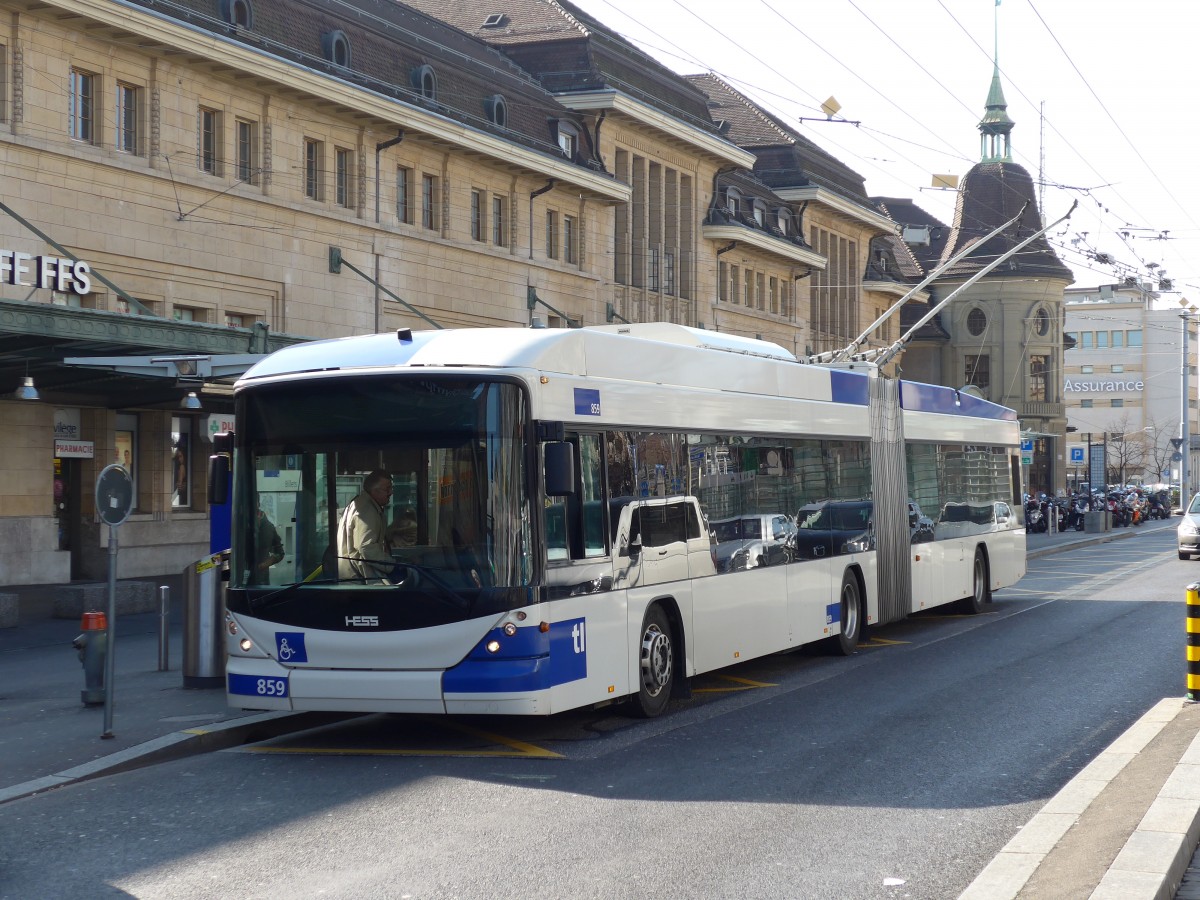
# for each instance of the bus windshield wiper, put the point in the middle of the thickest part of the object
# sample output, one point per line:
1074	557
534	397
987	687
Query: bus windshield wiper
281	595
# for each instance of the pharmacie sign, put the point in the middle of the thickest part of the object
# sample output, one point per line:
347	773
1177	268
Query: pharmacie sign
1102	387
52	273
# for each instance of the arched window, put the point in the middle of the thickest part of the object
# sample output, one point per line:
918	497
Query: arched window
782	217
238	12
976	322
496	109
760	213
336	47
1041	323
424	80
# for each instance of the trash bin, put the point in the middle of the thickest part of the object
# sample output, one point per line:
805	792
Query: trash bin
204	585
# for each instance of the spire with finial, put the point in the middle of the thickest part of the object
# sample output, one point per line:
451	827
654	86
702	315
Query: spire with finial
995	143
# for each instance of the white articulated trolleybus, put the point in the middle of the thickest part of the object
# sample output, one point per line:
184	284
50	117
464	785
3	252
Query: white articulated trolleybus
593	515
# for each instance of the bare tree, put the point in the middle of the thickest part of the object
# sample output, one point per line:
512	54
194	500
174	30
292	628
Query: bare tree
1127	451
1159	433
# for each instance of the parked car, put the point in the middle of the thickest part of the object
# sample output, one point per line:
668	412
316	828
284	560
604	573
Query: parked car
747	542
1189	530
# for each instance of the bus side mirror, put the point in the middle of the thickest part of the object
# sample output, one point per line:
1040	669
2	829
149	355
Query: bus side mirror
560	468
218	479
218	468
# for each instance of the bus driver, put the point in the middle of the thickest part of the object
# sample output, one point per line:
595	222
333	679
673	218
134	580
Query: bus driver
362	548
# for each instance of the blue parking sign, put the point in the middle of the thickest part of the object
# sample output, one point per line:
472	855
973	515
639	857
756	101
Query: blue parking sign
1077	455
1027	446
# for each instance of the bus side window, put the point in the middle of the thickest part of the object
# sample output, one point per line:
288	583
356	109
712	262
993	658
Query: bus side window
556	532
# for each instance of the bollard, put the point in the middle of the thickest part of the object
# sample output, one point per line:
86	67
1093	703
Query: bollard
1193	641
93	649
164	611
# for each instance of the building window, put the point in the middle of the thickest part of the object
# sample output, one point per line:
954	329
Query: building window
235	320
749	289
1085	340
1086	370
314	169
1118	369
81	118
735	285
336	47
477	206
1041	323
570	236
238	12
424	81
568	140
773	295
1073	335
1037	378
760	290
669	272
127	118
429	217
344	177
976	322
977	370
189	314
404	195
1134	338
760	213
496	110
208	140
1117	402
782	219
247	161
1101	340
125	448
1085	404
733	201
498	222
181	462
552	234
652	269
722	282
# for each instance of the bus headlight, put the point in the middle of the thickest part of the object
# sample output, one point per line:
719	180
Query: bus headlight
510	628
246	644
493	646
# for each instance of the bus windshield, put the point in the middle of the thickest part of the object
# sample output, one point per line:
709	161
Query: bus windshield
456	520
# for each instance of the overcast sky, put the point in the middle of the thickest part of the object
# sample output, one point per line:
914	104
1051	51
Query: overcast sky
1116	80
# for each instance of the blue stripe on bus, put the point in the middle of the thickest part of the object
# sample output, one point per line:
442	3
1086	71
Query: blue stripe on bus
939	399
530	660
848	387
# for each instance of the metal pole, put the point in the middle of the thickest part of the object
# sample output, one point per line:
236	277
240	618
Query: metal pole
164	611
1185	444
109	666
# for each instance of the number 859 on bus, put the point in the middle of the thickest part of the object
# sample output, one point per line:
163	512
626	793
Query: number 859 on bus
258	685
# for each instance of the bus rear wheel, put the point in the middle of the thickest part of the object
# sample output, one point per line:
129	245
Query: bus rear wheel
981	591
656	664
850	604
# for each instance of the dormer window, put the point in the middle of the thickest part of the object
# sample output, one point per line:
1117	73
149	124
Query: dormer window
760	213
238	12
336	47
781	219
425	81
496	110
733	201
495	20
568	139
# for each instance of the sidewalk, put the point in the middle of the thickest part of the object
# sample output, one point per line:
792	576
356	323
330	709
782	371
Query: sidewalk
1128	823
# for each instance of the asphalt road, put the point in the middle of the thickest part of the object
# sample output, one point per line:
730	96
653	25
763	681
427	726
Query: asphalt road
896	773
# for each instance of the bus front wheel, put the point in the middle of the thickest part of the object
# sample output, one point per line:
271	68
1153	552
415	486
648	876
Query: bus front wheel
850	603
656	665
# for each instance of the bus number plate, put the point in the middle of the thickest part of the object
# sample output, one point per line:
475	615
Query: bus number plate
258	685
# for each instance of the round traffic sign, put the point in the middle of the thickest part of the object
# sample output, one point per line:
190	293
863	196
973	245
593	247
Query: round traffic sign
114	495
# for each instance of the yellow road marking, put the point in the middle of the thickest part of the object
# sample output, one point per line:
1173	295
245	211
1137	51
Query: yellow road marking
517	749
882	642
740	684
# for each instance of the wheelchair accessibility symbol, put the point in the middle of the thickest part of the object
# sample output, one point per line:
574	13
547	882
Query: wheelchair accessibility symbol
289	647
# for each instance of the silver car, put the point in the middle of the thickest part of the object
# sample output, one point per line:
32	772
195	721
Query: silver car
1189	530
